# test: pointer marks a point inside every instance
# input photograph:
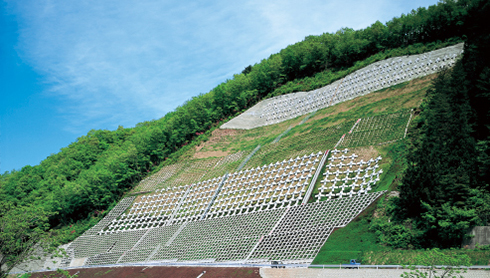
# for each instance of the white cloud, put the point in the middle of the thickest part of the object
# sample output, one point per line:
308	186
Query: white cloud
122	62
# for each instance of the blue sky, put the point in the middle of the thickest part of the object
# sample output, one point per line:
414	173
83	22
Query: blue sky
71	66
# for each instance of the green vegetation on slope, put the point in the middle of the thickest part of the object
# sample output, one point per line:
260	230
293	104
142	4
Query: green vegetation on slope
357	241
360	240
351	242
445	190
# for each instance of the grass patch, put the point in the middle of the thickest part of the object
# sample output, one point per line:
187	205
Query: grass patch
407	257
395	166
356	241
351	242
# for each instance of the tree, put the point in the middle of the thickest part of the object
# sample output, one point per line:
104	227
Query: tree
445	186
22	231
442	165
247	70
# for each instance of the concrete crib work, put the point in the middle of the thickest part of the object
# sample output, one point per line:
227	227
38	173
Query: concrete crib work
293	234
346	175
371	130
372	78
270	186
255	215
193	170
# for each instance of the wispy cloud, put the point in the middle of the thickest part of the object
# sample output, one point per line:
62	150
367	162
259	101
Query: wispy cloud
122	62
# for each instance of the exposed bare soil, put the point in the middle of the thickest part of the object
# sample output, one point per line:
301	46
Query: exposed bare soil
221	137
210	154
365	153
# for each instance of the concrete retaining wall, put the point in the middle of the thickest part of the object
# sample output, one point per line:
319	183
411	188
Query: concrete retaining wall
481	235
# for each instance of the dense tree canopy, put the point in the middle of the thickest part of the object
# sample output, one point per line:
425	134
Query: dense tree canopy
445	190
22	231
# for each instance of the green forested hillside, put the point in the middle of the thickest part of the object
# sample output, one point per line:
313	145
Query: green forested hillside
90	175
445	189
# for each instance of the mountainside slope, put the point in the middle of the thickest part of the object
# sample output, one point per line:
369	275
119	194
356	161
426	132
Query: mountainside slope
92	174
200	189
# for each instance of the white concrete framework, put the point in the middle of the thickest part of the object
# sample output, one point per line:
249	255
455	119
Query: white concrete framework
113	214
185	172
304	229
270	186
253	215
346	175
379	129
372	78
152	182
292	234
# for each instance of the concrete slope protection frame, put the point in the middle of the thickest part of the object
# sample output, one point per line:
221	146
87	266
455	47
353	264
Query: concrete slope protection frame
374	77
